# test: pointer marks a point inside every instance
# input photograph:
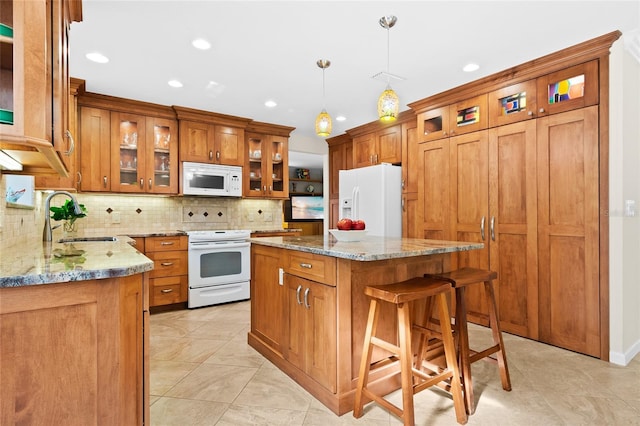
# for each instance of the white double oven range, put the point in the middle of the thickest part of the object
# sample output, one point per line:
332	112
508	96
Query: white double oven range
219	267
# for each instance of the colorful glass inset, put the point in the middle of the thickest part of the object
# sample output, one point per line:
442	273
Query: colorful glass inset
564	90
468	116
513	103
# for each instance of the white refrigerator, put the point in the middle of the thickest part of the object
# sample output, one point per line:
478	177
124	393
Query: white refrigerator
373	194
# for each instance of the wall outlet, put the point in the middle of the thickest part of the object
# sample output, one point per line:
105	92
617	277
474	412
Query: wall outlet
115	217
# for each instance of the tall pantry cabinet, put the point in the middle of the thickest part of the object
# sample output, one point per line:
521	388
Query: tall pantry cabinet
526	173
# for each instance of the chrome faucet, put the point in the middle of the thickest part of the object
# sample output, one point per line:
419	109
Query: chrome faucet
46	235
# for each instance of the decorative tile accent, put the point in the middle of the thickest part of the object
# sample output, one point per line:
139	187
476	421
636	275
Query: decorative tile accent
109	210
138	211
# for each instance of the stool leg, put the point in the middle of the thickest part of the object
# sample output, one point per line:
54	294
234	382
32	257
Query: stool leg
463	342
423	345
365	360
406	374
450	355
497	335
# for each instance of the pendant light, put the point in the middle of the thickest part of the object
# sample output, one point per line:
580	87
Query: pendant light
323	120
388	102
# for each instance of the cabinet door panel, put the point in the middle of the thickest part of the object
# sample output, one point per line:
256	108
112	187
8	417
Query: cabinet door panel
229	145
196	141
295	331
410	170
364	148
433	124
321	334
568	230
513	210
433	190
512	104
389	145
95	149
267	296
128	135
567	89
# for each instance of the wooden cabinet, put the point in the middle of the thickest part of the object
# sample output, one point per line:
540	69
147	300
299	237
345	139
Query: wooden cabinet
75	353
310	326
458	118
543	171
127	146
169	280
340	158
34	82
568	231
382	146
208	137
208	143
513	103
143	158
268	296
70	157
410	177
95	149
266	171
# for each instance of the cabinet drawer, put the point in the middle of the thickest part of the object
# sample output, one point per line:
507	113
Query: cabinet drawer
168	263
169	290
178	242
312	266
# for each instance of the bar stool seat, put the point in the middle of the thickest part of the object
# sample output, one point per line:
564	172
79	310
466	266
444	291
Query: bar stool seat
400	294
460	279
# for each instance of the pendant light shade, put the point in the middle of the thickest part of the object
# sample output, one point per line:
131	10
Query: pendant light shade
388	102
323	120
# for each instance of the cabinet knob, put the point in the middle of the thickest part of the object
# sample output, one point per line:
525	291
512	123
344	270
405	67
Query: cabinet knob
210	155
79	178
141	183
166	243
306	265
298	295
306	298
166	290
167	264
529	113
217	155
104	181
150	184
541	110
444	133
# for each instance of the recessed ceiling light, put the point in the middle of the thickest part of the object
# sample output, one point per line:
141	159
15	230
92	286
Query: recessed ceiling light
97	57
341	118
174	83
471	67
201	44
270	104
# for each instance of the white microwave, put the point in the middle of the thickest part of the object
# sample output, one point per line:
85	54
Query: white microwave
214	180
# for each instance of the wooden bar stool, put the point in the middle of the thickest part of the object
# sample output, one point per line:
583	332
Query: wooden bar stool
401	294
460	279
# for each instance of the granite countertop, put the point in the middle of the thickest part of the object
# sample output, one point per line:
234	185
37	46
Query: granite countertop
369	249
35	263
143	234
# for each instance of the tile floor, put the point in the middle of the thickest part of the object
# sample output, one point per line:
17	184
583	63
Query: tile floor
204	373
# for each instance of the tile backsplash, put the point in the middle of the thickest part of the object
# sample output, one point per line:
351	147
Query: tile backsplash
117	214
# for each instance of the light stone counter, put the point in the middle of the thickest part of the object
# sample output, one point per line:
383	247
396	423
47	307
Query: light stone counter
369	249
36	262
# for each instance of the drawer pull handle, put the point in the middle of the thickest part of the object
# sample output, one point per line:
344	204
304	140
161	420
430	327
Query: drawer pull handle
166	263
166	243
166	290
306	265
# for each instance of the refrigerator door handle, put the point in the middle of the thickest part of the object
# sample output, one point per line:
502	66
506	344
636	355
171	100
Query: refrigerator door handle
356	204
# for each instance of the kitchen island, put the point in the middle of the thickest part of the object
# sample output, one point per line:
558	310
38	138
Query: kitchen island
73	349
309	311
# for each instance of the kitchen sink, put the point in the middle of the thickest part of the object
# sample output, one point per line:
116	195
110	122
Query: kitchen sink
86	239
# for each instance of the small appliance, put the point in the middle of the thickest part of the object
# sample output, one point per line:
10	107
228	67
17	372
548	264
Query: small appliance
211	179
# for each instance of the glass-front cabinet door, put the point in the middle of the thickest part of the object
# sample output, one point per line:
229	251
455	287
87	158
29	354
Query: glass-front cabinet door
162	155
127	165
570	88
254	186
468	116
433	124
266	174
513	103
279	176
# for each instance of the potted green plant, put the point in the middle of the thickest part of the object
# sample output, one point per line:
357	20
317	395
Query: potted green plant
67	213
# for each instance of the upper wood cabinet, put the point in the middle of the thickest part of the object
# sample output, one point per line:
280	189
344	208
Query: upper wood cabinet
127	146
266	167
513	103
569	88
462	117
383	146
340	158
207	137
34	83
433	124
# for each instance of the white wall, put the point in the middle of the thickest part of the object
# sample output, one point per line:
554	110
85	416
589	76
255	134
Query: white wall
624	184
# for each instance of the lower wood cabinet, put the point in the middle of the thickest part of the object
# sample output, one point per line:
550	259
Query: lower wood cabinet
169	279
310	329
75	353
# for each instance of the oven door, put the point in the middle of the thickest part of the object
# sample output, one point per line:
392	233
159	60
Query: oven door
216	263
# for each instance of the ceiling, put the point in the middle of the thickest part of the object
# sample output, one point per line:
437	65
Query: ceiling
267	50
